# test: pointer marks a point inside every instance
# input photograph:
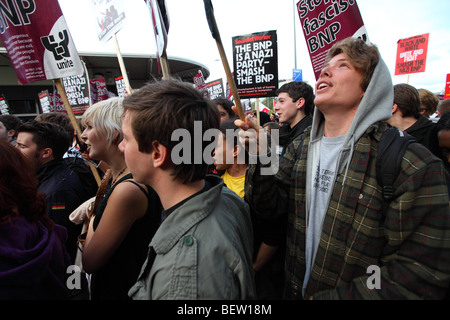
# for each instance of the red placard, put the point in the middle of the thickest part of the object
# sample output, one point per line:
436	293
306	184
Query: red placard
447	88
412	55
326	22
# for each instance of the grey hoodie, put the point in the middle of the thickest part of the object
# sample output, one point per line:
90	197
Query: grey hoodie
375	106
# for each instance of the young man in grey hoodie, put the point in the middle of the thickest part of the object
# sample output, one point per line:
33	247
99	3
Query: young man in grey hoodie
341	244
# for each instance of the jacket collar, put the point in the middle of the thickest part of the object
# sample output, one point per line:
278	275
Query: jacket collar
183	218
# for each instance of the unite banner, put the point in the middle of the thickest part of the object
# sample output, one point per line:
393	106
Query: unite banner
38	40
326	22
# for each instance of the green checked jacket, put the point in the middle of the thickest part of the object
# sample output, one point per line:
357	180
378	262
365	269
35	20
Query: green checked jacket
409	242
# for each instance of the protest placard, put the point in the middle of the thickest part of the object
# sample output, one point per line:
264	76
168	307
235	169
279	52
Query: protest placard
110	15
200	84
120	86
4	108
447	88
77	90
412	55
99	91
215	89
44	101
38	41
326	22
255	62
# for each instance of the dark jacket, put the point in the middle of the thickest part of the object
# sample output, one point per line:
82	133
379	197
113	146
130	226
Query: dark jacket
33	261
64	192
424	132
288	134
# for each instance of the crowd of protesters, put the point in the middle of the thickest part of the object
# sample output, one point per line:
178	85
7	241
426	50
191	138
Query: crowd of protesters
183	215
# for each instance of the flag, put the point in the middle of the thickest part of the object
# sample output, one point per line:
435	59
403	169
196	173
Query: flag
160	21
209	10
263	108
164	14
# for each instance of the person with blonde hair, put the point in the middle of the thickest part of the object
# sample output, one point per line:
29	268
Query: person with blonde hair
428	102
127	216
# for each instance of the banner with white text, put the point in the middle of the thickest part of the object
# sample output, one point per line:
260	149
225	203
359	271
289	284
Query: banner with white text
38	40
412	55
326	22
255	62
215	89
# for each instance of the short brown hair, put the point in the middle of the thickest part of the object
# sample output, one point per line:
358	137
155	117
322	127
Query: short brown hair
159	108
363	56
428	101
406	97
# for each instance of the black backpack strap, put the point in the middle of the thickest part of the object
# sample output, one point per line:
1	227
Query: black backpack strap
391	148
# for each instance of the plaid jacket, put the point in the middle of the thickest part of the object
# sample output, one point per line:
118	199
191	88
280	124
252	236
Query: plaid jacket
409	242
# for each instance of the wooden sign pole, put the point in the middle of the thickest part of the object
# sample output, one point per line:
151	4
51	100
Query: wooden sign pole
122	66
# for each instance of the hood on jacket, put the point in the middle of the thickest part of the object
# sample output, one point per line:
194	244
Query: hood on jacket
33	260
376	105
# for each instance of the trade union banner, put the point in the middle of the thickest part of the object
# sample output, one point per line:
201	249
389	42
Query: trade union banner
38	40
412	55
326	22
255	62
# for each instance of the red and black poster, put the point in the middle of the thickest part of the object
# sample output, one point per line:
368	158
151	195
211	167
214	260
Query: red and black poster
412	55
120	86
38	40
255	62
200	84
326	22
4	109
45	101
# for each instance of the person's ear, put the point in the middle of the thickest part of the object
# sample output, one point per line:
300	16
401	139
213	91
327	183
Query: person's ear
159	154
236	151
394	108
46	153
300	103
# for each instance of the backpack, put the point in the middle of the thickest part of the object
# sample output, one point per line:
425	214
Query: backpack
391	148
